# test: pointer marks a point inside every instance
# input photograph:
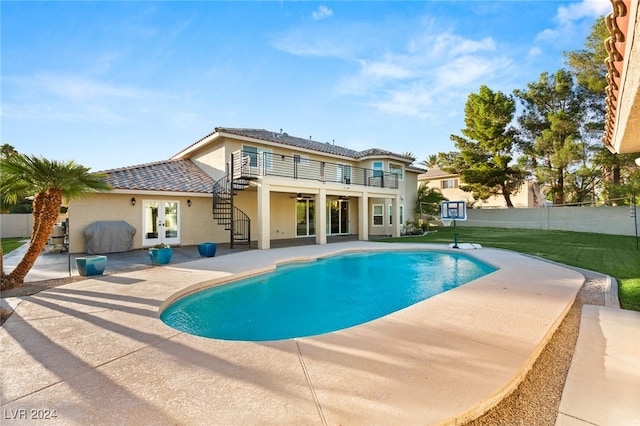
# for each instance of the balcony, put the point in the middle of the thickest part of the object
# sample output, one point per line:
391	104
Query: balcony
251	165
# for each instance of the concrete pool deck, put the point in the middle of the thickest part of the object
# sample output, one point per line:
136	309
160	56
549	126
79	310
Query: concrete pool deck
96	353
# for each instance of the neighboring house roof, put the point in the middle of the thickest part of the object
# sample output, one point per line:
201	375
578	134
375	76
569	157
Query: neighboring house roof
308	144
622	120
415	169
435	173
170	175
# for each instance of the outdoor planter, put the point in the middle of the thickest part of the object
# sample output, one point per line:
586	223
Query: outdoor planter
160	255
207	249
92	265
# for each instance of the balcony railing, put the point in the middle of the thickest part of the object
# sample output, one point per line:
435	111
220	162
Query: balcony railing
252	165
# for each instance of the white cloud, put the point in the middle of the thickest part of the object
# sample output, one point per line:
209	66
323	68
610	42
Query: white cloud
585	9
403	77
74	87
71	98
438	67
454	45
305	42
468	71
413	100
322	13
568	18
384	70
65	113
534	52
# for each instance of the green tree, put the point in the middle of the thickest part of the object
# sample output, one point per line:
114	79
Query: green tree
428	202
486	153
50	182
551	130
6	151
611	172
430	162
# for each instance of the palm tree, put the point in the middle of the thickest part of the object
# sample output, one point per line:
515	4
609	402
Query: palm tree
430	162
51	182
428	202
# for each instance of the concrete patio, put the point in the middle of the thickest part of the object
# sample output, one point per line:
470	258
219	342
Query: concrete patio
96	353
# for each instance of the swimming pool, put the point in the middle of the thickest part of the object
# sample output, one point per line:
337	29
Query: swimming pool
329	294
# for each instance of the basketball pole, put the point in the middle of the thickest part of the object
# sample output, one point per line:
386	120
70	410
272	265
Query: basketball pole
455	235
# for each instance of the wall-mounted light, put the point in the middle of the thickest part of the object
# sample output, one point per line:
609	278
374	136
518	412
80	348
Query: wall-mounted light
189	203
133	201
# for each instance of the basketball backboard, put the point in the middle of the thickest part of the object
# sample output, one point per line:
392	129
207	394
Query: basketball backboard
453	210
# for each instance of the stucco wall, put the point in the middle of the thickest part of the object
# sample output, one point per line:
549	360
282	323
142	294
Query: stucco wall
410	194
197	224
212	161
16	225
602	220
283	213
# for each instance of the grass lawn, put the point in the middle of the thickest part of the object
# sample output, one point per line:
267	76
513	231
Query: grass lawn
614	255
10	244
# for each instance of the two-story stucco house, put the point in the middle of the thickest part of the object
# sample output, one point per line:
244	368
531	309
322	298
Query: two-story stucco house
529	194
254	186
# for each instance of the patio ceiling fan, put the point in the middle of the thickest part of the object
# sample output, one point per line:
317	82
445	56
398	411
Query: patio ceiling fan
299	196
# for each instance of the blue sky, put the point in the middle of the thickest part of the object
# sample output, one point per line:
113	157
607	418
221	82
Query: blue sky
114	84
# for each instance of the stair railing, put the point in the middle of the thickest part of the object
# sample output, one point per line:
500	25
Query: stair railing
234	220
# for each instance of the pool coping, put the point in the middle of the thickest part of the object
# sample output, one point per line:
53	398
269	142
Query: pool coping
445	360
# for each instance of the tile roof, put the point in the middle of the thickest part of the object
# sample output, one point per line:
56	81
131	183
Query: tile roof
619	23
170	175
434	173
325	147
416	169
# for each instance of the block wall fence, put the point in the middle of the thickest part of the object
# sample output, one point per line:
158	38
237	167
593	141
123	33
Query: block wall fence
16	225
601	220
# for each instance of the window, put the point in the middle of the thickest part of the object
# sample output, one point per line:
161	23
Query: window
377	168
378	215
259	157
303	160
397	169
252	153
344	173
449	183
391	214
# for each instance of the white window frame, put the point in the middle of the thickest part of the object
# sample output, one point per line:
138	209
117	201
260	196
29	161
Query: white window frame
259	155
343	171
391	214
378	166
398	166
374	215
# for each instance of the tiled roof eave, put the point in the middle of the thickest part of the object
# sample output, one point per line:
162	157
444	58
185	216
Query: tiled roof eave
618	24
308	145
174	176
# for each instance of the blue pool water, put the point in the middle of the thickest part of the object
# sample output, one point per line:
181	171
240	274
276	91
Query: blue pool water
304	299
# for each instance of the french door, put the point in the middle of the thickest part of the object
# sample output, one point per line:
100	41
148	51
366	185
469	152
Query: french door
338	217
305	218
161	222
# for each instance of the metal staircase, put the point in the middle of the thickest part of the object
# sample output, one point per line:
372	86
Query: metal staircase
232	218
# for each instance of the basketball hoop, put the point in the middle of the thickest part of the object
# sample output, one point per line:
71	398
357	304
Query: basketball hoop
452	211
